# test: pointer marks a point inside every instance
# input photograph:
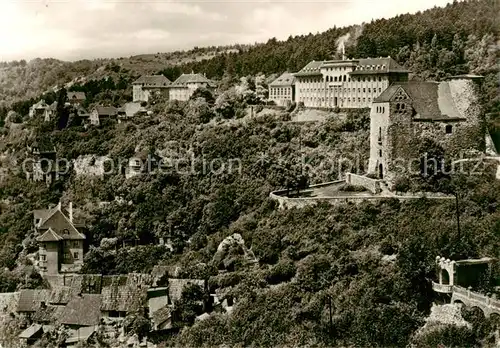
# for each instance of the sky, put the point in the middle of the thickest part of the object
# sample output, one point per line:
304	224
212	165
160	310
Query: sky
87	29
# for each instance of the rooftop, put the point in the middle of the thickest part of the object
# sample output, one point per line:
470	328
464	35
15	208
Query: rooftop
286	79
82	310
377	66
158	81
30	300
31	331
430	100
106	110
184	79
311	69
60	226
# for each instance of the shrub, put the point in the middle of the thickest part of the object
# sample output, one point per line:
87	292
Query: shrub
448	336
281	272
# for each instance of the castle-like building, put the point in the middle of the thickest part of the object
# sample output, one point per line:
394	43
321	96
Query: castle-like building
447	114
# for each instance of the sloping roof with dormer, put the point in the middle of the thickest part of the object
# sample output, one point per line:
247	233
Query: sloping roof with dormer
311	69
286	79
60	225
430	100
185	79
370	66
157	81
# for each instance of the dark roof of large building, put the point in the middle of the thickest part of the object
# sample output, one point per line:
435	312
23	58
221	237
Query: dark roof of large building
60	225
82	310
30	300
430	100
158	81
184	79
286	79
369	66
311	69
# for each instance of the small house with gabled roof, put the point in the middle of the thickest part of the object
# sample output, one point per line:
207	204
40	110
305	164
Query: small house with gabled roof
60	243
146	86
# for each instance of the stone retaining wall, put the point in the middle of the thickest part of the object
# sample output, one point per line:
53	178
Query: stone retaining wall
371	185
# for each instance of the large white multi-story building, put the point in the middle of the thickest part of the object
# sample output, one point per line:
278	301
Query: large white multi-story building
346	83
146	86
185	85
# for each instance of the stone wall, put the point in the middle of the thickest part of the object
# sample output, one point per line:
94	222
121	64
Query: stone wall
289	203
402	142
371	185
90	165
379	125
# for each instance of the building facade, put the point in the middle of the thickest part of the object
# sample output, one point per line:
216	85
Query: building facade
43	166
42	109
282	90
100	113
183	88
147	86
346	83
61	245
408	114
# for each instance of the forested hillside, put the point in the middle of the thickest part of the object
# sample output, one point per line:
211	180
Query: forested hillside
350	275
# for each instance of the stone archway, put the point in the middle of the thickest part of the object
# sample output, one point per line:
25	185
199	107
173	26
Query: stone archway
445	277
495	319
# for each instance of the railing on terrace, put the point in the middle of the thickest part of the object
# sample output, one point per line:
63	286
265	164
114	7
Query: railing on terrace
460	290
495	303
444	288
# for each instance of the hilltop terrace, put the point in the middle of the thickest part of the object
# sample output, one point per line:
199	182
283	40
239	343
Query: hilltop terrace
353	189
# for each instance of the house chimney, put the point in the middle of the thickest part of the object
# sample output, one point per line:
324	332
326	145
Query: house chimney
59	205
70	211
